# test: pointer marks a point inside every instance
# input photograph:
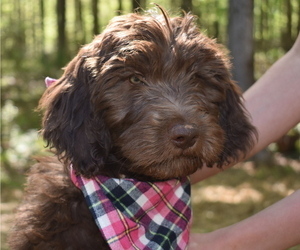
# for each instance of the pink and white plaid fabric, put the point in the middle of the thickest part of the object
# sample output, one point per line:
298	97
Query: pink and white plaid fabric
139	215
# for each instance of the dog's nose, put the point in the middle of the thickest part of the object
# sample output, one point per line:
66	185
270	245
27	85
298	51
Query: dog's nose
184	136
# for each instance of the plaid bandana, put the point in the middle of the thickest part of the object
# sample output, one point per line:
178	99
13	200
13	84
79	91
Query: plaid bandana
139	215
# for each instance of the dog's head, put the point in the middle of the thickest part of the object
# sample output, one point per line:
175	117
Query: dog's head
150	98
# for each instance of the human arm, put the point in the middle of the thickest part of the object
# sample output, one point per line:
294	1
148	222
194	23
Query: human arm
274	228
273	103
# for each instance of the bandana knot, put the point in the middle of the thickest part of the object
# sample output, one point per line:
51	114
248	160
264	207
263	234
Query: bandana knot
132	214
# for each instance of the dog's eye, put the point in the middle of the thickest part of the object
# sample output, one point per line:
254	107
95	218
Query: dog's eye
136	80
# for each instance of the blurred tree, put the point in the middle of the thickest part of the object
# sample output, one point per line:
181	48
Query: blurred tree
79	34
263	22
240	41
120	7
95	10
187	5
19	34
61	31
42	35
138	5
287	39
216	22
298	25
135	4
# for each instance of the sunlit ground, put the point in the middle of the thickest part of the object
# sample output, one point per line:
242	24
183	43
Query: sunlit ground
219	201
240	192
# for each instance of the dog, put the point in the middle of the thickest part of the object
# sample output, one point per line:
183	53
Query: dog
150	99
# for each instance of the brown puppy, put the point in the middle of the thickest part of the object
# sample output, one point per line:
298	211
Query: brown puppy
150	98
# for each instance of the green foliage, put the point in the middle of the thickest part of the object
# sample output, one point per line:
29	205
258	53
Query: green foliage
30	39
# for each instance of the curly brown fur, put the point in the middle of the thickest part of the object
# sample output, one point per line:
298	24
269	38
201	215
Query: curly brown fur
150	98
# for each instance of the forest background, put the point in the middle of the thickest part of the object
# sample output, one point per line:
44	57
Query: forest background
38	38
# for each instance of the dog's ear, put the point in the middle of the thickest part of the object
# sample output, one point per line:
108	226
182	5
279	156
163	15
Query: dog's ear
70	125
215	73
240	134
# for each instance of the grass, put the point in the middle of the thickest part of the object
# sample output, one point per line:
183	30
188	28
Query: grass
219	201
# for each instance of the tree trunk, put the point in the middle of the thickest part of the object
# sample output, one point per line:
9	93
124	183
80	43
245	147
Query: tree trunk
264	30
298	26
240	41
95	16
287	36
35	43
136	4
19	36
120	7
216	23
61	31
42	17
79	30
187	5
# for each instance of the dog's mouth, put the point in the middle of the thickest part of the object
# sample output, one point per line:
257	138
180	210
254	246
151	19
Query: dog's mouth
167	162
174	168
